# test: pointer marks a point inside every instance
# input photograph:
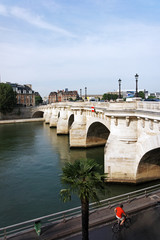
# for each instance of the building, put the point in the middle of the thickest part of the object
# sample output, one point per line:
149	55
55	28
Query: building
62	96
158	95
24	94
52	97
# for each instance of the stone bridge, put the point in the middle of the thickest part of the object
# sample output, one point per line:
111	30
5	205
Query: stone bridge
129	131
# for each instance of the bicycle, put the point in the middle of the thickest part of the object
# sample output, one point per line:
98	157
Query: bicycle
117	227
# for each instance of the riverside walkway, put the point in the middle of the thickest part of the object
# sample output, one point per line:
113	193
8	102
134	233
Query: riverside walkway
133	202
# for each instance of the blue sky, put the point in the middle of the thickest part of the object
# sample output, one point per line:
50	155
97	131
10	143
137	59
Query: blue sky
58	44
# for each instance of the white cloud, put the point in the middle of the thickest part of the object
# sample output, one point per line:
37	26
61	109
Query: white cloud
3	10
51	5
32	19
37	21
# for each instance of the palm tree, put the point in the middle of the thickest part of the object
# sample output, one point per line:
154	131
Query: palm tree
83	178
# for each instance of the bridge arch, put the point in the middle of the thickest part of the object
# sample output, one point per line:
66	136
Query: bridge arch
38	114
97	134
70	120
149	165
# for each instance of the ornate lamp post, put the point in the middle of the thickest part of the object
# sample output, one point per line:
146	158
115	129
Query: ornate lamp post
136	77
119	88
85	93
80	93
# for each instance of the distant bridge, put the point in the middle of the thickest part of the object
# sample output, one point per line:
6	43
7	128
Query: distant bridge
130	132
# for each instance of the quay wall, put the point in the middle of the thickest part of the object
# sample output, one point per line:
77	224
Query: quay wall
17	113
22	120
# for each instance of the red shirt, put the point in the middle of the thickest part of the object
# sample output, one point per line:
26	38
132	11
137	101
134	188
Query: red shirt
119	212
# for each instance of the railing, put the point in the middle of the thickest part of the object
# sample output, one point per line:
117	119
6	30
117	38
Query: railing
75	212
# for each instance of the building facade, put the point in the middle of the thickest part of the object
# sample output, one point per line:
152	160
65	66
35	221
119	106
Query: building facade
62	96
24	94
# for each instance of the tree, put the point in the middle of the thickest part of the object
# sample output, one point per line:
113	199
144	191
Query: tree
38	100
151	97
104	97
7	98
141	94
109	96
83	178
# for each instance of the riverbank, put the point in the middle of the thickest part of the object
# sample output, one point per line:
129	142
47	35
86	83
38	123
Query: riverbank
17	113
22	120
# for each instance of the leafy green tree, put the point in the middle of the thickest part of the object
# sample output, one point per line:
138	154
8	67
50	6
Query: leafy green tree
151	97
83	178
104	97
141	94
38	100
7	98
109	96
114	96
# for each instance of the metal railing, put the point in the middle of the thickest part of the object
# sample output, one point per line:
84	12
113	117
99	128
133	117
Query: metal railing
75	212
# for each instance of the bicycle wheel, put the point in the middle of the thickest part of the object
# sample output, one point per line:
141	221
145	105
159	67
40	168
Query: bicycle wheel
115	227
127	223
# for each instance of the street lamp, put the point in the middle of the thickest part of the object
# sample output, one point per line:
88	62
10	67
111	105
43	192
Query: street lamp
80	93
136	77
119	88
85	93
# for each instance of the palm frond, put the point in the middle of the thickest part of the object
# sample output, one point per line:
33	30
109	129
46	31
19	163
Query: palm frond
65	195
83	177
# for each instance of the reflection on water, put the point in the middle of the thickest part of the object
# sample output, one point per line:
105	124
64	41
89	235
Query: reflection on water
31	159
60	145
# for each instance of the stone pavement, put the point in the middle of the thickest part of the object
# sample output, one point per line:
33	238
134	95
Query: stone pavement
98	217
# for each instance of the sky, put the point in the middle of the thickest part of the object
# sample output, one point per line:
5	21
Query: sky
58	44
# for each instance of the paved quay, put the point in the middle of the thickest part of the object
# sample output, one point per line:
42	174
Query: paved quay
22	120
97	218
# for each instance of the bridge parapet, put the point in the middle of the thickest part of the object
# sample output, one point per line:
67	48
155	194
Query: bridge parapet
143	106
148	106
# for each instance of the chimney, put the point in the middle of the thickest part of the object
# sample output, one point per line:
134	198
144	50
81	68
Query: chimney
29	85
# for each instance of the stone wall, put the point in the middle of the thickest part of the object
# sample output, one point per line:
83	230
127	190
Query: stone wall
17	113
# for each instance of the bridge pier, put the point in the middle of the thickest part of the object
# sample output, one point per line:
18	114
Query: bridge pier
120	151
54	118
62	123
78	130
47	115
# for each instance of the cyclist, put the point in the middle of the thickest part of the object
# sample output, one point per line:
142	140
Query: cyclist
120	214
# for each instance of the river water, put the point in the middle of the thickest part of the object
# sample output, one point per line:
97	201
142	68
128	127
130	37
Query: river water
31	161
